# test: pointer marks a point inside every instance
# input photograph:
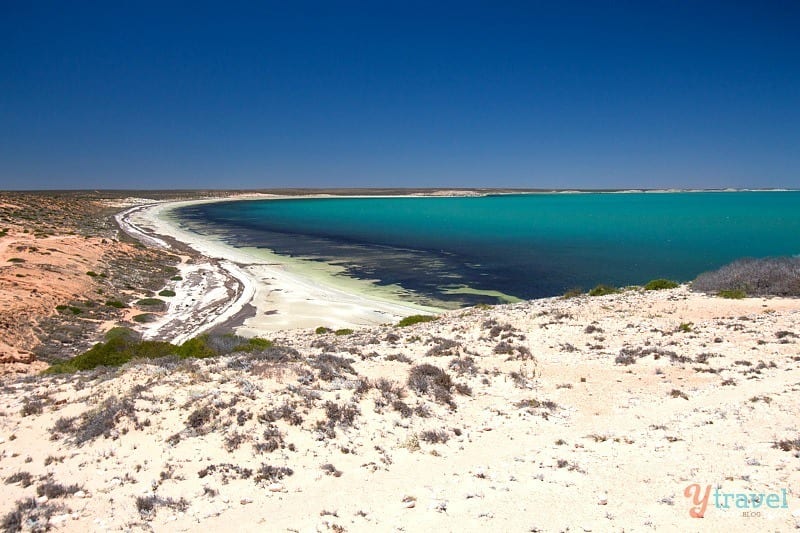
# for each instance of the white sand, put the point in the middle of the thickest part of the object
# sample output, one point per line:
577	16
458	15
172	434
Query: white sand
614	452
284	295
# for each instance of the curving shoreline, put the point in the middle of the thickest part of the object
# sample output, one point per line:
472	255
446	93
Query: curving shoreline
222	281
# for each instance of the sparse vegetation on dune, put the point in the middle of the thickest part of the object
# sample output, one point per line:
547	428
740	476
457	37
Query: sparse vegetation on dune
220	427
774	276
123	345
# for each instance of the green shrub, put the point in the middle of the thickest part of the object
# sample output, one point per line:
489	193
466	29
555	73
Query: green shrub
92	274
660	284
322	330
167	293
116	351
416	319
123	345
120	332
75	310
115	303
343	331
735	294
176	278
144	318
573	293
254	344
16	260
602	290
685	327
150	302
197	348
61	307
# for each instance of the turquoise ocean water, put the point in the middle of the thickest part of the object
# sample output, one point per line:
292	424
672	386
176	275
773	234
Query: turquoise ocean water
525	246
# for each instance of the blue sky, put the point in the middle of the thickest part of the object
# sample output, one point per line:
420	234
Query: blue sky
406	94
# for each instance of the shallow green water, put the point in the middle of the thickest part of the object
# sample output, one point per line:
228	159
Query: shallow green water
521	245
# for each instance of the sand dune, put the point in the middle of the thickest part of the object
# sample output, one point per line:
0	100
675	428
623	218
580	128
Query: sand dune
589	414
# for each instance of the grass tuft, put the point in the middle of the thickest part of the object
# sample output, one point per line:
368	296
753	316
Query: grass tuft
416	319
660	284
603	290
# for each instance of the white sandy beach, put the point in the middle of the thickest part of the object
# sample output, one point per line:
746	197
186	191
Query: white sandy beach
284	297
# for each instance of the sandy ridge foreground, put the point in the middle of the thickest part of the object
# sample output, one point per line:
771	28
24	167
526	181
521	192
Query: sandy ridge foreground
588	414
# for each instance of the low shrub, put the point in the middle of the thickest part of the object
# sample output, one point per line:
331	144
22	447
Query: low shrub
321	330
735	294
429	379
602	290
144	318
53	490
150	302
25	479
434	436
572	293
114	352
167	293
115	303
772	276
416	319
123	345
660	284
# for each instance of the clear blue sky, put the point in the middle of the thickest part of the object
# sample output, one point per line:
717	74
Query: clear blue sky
527	94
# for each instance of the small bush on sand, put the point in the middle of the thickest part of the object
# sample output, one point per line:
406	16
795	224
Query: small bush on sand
25	479
602	290
28	514
429	379
788	445
148	505
343	331
53	490
167	293
735	294
772	276
150	302
573	293
144	318
434	436
331	367
660	284
415	319
31	406
115	303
